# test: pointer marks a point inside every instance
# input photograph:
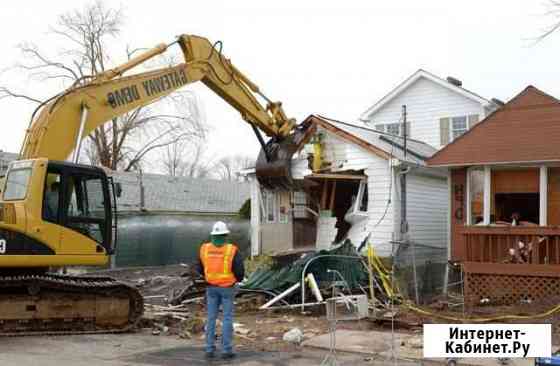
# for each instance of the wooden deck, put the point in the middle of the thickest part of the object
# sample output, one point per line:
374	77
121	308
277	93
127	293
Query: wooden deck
489	275
487	244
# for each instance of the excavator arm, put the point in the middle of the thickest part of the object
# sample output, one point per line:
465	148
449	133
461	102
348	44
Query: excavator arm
57	214
63	122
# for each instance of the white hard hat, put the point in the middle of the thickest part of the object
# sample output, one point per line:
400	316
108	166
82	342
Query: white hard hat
219	228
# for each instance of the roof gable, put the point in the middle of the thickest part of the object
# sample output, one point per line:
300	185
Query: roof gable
410	81
381	144
524	130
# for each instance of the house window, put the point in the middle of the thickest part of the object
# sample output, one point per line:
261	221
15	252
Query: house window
514	196
453	127
283	206
360	201
458	126
300	205
393	128
270	206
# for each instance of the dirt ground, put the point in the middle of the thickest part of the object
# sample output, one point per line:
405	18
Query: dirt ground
262	331
256	330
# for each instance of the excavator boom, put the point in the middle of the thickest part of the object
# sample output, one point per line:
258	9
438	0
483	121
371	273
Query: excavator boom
75	113
57	214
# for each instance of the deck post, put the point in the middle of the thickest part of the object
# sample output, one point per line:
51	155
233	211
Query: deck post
487	194
543	196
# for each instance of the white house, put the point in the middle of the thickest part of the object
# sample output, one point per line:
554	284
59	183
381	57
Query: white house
349	174
438	110
354	193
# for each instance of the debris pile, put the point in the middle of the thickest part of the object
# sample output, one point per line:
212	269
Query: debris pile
320	271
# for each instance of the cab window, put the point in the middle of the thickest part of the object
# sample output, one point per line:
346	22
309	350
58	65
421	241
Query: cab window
52	197
17	184
85	206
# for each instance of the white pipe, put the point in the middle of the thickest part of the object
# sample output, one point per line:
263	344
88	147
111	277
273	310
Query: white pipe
78	145
281	296
312	212
314	287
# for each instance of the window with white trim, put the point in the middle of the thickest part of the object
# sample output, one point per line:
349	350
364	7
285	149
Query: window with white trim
300	205
361	198
455	126
393	128
458	126
270	206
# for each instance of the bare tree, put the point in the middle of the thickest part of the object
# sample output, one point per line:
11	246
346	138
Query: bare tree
186	159
552	12
124	142
228	168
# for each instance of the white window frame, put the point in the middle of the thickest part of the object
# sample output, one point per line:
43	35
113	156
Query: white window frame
357	203
393	125
452	129
266	195
299	199
386	128
487	195
283	218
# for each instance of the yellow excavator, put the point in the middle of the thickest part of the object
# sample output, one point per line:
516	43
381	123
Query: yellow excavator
56	213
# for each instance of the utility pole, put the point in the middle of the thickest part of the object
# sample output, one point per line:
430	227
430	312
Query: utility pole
404	223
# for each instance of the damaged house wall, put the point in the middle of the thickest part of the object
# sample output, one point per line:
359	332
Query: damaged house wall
378	220
350	163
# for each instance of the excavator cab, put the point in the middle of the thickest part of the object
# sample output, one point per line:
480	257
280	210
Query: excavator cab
80	198
75	220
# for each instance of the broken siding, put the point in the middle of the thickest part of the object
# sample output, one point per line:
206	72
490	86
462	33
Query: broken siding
300	168
426	103
380	221
347	156
344	155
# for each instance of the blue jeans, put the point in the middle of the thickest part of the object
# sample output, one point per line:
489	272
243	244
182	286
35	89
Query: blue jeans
214	297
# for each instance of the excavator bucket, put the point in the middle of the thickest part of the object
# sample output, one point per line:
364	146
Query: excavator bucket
274	164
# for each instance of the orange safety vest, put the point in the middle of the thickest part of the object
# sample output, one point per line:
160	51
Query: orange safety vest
218	263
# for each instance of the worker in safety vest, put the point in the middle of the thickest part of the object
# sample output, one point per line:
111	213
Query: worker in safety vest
222	266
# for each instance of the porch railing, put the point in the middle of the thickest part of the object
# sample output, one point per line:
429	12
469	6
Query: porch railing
490	244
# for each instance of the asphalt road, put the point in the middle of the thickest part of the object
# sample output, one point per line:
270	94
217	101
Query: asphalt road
143	349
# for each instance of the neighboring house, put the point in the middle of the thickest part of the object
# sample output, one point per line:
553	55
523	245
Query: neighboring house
162	193
438	110
505	189
352	192
5	159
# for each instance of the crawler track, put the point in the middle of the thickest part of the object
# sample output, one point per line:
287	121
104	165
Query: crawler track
51	304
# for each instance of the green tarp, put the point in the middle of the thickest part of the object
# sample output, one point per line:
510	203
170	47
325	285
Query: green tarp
281	278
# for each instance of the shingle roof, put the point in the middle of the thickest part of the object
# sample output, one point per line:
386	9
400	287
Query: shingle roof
524	130
391	145
180	194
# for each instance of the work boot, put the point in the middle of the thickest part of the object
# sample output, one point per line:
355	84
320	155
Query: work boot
209	355
228	356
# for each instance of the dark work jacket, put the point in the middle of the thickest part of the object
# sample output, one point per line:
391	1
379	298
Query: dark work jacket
237	267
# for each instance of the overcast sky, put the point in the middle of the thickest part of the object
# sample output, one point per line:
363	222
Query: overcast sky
317	57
